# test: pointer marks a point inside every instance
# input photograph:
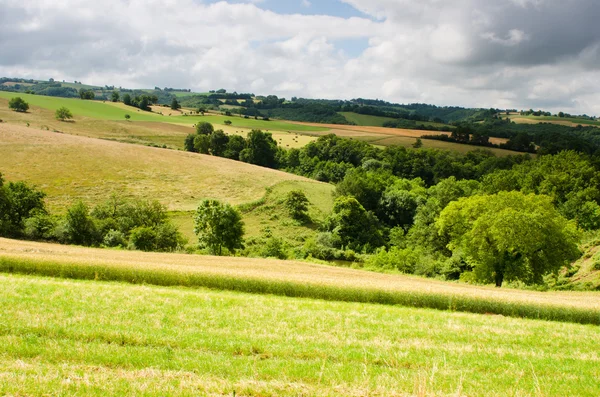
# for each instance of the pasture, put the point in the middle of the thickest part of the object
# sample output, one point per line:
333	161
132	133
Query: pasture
70	167
171	341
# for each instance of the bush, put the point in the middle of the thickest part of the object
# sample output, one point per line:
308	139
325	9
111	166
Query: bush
18	104
143	239
80	226
274	248
114	238
297	204
63	114
39	226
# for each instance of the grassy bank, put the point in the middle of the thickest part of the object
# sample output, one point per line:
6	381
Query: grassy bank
63	337
292	279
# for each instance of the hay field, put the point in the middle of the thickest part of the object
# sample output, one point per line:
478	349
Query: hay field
97	339
291	278
71	167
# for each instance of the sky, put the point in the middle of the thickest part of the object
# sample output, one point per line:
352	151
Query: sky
541	54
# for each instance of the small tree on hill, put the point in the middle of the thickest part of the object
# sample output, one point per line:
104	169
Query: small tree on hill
18	104
218	225
175	104
115	96
297	204
204	128
63	114
127	117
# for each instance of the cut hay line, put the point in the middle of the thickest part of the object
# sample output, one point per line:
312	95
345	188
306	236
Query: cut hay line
292	279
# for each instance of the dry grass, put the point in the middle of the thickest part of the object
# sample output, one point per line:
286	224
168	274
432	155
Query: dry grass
288	278
71	167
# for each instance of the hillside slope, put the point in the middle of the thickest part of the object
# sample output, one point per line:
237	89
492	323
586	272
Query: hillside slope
71	167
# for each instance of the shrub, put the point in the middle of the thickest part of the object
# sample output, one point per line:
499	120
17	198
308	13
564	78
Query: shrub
274	248
143	239
297	204
18	104
80	226
63	114
114	238
39	226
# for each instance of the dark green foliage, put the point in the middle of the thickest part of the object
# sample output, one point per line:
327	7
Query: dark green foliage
143	238
260	149
202	144
127	99
18	104
175	104
80	226
204	128
188	144
18	201
234	147
86	94
115	96
218	143
218	226
355	227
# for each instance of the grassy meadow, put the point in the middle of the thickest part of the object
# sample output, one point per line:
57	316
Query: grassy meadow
172	341
69	167
568	121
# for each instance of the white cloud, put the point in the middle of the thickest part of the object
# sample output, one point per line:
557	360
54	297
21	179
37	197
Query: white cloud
453	52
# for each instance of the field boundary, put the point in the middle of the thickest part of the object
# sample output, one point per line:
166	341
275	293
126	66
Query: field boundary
417	299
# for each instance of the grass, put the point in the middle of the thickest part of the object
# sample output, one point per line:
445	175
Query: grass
378	121
365	119
70	167
568	121
57	339
268	216
294	279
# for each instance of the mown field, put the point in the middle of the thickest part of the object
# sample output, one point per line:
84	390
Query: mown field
568	121
96	338
289	278
69	167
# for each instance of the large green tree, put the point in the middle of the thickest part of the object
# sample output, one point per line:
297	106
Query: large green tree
509	236
218	225
353	226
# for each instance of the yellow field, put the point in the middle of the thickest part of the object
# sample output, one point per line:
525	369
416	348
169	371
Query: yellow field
69	167
306	274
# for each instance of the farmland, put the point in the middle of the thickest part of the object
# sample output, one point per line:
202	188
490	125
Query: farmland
70	167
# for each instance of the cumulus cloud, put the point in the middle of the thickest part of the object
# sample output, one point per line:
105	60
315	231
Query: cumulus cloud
506	53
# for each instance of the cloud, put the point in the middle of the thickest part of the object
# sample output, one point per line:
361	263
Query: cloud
509	53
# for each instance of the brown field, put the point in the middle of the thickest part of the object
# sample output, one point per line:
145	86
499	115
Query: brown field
70	167
288	271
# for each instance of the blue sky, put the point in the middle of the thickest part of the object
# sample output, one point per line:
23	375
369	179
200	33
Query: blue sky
309	7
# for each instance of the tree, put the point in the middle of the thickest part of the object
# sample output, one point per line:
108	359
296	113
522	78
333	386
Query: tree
80	227
218	143
353	226
204	128
297	204
234	147
127	117
127	99
175	104
115	96
227	122
63	114
202	144
188	144
261	149
86	94
18	104
509	236
218	225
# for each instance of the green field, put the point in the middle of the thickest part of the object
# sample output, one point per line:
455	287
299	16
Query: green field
96	338
572	121
366	120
